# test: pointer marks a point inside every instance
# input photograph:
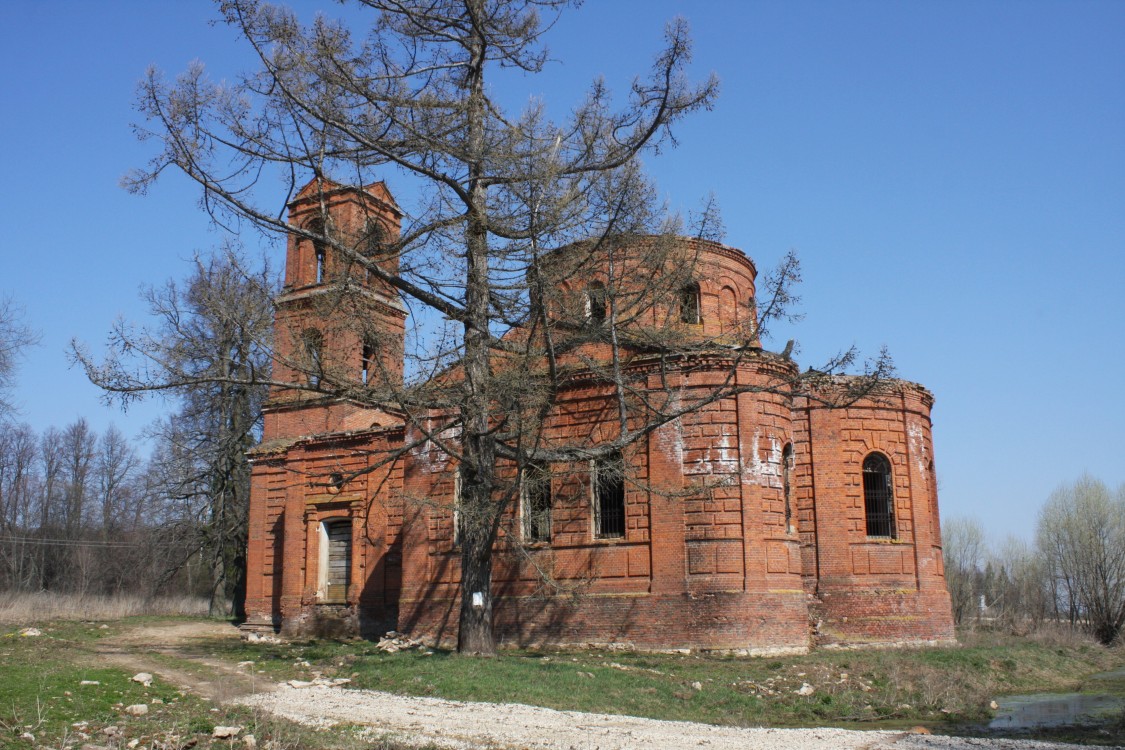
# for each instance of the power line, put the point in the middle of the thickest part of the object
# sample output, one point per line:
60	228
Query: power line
68	542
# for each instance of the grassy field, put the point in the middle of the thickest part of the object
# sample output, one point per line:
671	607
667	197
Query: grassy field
54	694
42	691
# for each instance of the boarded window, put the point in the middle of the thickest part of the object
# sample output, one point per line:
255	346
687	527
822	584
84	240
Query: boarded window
536	503
337	559
609	497
878	495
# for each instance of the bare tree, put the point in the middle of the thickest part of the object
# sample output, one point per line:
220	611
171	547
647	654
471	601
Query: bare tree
512	214
209	349
78	446
116	465
1018	591
15	336
19	488
1082	537
964	554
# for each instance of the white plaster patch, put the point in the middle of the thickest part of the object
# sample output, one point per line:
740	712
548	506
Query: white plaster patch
430	458
918	446
671	442
765	465
725	456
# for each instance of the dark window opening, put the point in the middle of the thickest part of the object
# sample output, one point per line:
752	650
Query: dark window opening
374	239
373	245
787	483
935	518
597	307
367	362
878	495
689	304
320	255
536	503
609	497
338	557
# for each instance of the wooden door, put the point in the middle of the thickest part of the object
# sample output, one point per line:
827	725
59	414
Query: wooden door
339	536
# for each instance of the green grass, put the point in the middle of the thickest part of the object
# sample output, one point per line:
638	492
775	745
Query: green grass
41	694
42	691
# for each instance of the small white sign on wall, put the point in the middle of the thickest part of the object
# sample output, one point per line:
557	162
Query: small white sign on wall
478	599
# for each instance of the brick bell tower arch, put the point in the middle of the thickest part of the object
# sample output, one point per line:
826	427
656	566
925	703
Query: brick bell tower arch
338	363
338	324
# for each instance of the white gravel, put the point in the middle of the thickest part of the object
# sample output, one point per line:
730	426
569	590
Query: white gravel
462	725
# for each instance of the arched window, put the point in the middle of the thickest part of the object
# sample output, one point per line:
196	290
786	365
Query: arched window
689	303
374	239
597	307
609	497
878	495
313	343
318	248
728	309
335	561
535	503
373	244
787	483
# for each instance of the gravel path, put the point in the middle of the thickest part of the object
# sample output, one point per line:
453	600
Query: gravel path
471	726
461	725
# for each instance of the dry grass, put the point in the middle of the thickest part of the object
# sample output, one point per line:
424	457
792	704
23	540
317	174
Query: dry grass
23	607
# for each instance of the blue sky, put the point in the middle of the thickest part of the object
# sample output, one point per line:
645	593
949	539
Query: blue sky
952	175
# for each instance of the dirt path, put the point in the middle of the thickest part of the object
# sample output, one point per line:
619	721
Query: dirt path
178	653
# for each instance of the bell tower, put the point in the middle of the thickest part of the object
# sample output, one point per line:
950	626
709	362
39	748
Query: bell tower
339	326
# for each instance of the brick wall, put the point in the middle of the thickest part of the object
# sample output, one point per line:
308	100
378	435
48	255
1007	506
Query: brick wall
744	520
886	588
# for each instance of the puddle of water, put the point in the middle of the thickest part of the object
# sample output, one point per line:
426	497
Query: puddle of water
1055	710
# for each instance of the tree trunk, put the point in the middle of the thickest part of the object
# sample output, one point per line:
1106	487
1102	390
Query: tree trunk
478	468
475	635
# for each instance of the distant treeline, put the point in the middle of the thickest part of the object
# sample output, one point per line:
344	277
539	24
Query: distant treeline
85	513
1073	573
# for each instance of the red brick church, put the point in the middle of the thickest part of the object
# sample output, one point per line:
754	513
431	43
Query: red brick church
760	523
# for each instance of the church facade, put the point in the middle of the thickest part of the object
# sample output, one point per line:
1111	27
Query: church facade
762	522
